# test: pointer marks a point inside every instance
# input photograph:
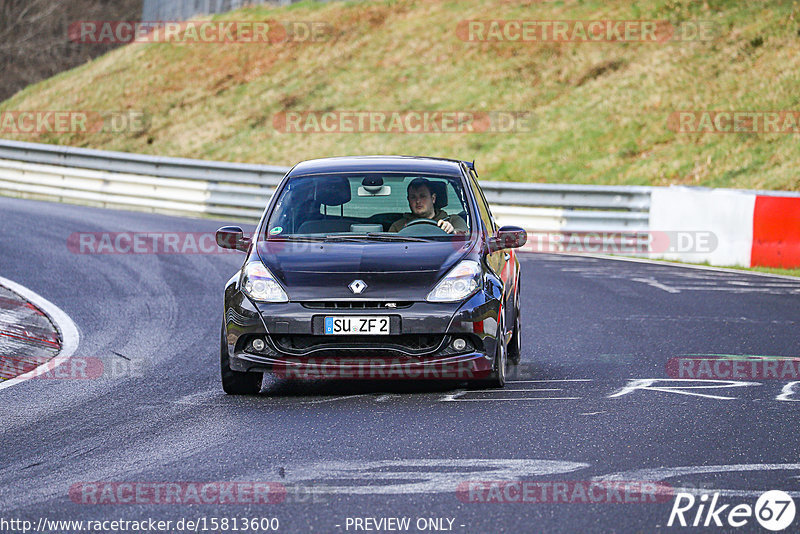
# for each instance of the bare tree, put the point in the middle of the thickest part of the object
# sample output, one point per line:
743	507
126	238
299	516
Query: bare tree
34	40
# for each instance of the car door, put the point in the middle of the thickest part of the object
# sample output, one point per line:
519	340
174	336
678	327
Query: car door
501	261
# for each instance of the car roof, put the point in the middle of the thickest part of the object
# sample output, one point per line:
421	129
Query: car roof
449	167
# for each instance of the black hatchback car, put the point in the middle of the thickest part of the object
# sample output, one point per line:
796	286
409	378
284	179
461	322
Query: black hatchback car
375	267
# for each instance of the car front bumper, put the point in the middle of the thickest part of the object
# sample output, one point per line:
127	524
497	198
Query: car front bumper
421	345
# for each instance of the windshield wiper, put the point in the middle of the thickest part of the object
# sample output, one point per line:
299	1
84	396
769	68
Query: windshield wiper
375	236
310	238
347	237
389	236
372	236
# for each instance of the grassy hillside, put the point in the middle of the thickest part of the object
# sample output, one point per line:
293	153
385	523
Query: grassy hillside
600	109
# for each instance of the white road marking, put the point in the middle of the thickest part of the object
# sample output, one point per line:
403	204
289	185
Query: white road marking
646	384
551	380
763	284
655	283
415	476
438	476
720	270
676	281
787	391
452	396
506	390
663	473
514	399
738	290
70	337
343	397
458	396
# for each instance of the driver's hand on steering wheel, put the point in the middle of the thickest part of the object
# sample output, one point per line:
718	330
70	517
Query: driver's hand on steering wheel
446	226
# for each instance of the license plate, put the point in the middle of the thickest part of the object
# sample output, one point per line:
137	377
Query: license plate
355	324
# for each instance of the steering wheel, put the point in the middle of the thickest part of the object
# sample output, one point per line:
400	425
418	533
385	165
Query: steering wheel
421	221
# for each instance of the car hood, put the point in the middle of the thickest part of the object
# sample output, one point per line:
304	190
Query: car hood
391	271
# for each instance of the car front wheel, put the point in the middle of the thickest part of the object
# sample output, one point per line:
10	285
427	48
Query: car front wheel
515	346
235	382
497	378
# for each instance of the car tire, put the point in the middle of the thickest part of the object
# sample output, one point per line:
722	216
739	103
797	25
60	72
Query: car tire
235	382
515	345
497	378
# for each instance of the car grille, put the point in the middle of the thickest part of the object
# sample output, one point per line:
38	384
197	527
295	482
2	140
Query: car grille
408	344
355	305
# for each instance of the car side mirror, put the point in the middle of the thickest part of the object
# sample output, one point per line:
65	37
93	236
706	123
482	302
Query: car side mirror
232	237
508	237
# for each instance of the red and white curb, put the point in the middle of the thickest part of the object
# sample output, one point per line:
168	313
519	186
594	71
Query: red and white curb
751	228
70	337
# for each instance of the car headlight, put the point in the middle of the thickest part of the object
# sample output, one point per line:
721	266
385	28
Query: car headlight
259	284
460	282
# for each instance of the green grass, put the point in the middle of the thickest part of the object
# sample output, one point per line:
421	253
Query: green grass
771	270
600	109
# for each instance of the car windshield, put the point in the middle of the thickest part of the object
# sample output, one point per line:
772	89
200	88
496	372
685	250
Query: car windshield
371	206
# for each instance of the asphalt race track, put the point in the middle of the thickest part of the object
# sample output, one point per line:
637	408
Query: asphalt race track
588	401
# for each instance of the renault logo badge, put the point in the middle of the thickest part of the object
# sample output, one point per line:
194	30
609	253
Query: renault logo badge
357	286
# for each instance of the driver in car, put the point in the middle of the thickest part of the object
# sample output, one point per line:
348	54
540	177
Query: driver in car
421	201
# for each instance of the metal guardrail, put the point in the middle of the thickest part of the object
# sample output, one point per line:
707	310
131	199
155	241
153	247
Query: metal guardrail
185	9
190	169
134	181
241	191
581	208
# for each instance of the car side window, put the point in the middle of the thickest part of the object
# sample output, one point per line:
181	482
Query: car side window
483	206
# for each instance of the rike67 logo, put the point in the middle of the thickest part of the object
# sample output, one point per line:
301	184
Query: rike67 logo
774	510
